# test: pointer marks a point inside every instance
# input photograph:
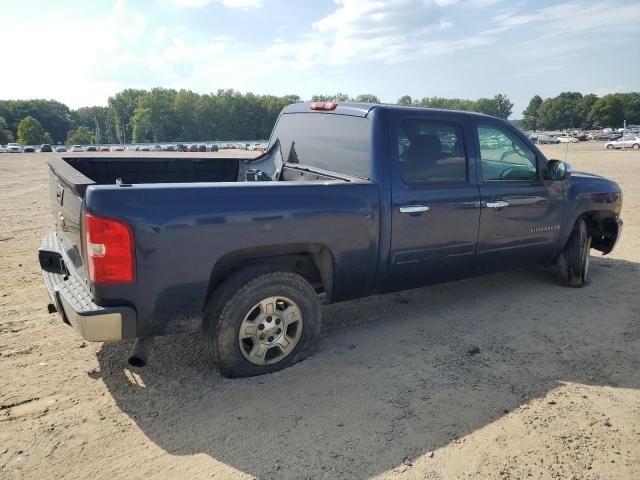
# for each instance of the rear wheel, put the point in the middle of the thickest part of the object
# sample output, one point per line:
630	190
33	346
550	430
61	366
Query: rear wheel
609	147
572	266
261	320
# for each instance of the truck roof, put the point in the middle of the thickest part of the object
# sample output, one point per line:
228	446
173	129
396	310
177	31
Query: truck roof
356	109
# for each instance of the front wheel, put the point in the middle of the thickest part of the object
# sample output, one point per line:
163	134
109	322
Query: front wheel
261	320
572	266
636	146
609	147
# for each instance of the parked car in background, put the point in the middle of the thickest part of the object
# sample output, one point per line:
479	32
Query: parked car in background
202	147
104	149
213	147
581	136
144	148
29	149
3	149
14	148
547	139
156	148
169	148
45	148
91	148
117	148
567	139
192	148
624	142
607	137
77	148
132	148
61	149
181	147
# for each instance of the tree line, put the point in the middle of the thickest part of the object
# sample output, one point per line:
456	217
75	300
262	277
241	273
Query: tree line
168	115
574	110
160	114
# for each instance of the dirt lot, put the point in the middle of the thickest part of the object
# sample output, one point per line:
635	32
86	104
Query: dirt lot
393	391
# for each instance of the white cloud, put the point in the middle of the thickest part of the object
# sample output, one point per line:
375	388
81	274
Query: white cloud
244	4
364	30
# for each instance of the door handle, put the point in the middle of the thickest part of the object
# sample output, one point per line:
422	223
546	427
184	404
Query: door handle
413	208
498	204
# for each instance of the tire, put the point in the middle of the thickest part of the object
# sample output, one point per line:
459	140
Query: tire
610	147
246	300
572	266
636	146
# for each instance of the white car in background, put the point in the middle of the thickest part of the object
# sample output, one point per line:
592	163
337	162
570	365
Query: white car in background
624	142
14	148
77	148
567	139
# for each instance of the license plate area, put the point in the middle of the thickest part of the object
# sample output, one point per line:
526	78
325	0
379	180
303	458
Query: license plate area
52	262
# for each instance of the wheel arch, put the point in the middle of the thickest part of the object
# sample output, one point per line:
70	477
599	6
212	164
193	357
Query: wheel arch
314	262
603	227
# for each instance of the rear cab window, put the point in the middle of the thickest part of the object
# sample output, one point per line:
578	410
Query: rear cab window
325	141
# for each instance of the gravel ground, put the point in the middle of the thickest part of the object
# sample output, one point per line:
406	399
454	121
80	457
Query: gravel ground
503	376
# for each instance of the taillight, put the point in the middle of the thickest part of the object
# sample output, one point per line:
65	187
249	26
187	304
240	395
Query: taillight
323	106
109	250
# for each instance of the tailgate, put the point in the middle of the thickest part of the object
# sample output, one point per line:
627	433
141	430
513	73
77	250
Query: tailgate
67	187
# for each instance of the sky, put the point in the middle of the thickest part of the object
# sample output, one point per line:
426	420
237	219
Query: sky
80	52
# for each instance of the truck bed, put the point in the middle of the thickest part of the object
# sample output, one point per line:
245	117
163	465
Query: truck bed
130	170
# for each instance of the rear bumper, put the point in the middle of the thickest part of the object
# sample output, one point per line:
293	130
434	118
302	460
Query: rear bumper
73	301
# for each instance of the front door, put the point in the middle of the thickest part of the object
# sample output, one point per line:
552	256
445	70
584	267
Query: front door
521	212
435	202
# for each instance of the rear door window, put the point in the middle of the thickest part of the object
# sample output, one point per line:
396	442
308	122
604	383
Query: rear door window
431	152
337	143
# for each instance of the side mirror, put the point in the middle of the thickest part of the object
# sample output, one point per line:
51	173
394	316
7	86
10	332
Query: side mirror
558	170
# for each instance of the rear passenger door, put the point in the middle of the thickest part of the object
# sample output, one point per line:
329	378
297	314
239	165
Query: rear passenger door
435	200
521	212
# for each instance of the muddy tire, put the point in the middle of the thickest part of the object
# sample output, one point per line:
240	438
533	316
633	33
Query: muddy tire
260	320
572	266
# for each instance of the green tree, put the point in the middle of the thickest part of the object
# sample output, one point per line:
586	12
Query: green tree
79	136
504	107
96	120
122	107
367	98
30	132
54	117
561	111
631	107
142	129
608	112
584	107
405	100
531	114
5	134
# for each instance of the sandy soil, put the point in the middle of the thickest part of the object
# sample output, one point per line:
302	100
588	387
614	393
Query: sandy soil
393	391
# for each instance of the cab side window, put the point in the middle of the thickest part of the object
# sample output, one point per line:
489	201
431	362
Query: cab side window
431	152
504	156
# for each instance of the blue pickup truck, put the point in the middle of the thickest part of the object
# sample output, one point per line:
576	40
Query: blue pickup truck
349	200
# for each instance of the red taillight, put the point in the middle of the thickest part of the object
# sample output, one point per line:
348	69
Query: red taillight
323	106
108	246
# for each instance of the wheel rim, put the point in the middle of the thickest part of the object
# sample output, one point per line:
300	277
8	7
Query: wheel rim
270	330
636	146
